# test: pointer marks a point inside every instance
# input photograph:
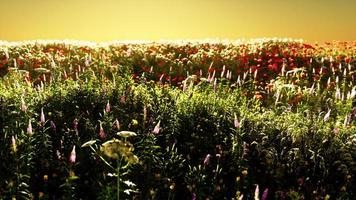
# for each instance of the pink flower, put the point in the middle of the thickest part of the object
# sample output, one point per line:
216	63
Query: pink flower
72	156
194	196
102	134
236	122
43	120
29	128
23	105
157	128
207	159
107	108
265	194
75	125
257	192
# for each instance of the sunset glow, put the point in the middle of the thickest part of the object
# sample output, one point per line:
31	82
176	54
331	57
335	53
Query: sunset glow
106	20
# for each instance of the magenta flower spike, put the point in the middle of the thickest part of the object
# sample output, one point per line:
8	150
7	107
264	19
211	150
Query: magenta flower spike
73	156
207	160
264	194
107	107
102	134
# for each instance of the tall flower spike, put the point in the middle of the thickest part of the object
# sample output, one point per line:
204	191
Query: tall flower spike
157	128
327	116
107	107
215	85
73	156
257	192
117	124
29	128
23	105
264	194
102	134
13	144
207	160
236	122
43	119
53	126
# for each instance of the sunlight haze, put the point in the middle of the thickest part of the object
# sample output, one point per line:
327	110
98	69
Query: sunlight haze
106	20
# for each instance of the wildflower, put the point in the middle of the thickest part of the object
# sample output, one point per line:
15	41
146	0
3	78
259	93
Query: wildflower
264	194
215	85
144	113
223	72
102	134
236	122
13	144
107	107
29	128
207	159
43	120
157	128
72	156
75	125
338	94
58	154
327	116
257	192
117	124
53	126
23	105
194	196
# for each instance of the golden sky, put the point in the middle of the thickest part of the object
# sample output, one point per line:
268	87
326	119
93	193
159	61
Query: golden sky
106	20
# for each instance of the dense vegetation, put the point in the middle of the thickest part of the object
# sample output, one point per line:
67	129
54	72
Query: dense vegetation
255	120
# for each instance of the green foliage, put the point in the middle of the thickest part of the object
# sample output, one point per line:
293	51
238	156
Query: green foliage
193	137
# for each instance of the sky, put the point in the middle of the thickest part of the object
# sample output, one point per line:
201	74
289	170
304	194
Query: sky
107	20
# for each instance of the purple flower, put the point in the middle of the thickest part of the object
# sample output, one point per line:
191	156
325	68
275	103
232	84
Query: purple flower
75	125
194	196
207	159
157	128
264	195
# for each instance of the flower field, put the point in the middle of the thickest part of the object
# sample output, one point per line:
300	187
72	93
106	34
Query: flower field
260	119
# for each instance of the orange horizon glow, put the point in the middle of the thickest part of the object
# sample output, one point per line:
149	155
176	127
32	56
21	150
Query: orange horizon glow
108	20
